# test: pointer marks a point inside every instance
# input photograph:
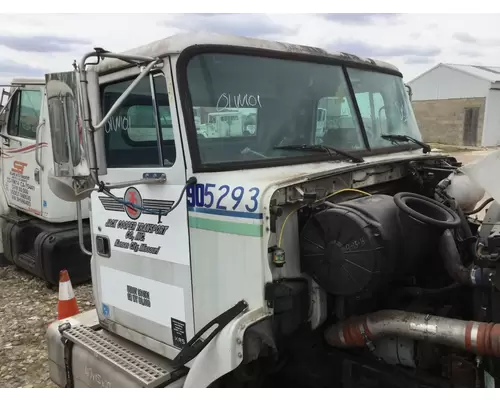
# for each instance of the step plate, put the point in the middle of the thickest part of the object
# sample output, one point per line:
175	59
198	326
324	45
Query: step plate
28	258
144	371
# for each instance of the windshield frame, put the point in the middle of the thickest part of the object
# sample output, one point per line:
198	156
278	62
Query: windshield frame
300	158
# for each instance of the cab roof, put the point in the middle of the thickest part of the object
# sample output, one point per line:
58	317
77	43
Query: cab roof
16	81
175	44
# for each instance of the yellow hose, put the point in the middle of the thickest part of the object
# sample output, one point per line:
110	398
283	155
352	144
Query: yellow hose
317	201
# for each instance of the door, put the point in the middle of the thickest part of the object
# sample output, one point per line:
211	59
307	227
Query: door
142	261
471	120
21	174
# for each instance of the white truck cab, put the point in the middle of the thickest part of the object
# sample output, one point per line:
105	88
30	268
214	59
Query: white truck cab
38	229
232	260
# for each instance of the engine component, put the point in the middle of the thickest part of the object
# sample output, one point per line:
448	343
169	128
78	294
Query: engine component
463	190
396	351
289	299
490	225
452	262
362	244
477	337
278	257
422	221
351	246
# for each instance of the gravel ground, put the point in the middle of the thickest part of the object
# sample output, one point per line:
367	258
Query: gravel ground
27	306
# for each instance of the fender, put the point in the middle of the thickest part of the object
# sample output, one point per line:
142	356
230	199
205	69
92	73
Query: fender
224	353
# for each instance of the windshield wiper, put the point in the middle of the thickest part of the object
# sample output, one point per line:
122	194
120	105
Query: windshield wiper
320	147
406	138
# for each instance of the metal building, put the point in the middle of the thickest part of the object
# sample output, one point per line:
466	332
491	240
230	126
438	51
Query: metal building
458	104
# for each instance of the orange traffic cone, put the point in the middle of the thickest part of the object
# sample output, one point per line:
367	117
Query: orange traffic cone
67	306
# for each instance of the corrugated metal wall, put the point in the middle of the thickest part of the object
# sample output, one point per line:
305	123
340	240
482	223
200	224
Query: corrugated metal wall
491	133
447	83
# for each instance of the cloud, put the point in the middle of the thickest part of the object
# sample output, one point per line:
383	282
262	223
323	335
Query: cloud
250	25
416	60
359	18
383	36
41	43
373	50
12	68
470	53
464	37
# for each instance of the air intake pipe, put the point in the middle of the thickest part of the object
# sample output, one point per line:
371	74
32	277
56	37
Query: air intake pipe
476	337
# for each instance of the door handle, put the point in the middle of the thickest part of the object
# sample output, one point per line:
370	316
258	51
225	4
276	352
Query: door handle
37	141
37	175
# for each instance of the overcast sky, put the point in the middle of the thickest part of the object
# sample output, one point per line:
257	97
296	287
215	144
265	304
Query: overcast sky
32	45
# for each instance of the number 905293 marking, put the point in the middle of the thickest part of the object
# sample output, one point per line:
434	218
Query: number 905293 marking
224	197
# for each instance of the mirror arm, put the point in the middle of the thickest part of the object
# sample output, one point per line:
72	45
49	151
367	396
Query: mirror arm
87	125
124	95
159	179
80	229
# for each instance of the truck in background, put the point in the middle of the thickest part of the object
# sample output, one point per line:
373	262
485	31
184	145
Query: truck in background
39	231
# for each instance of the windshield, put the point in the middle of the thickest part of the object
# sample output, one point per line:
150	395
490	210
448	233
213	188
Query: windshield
384	106
246	106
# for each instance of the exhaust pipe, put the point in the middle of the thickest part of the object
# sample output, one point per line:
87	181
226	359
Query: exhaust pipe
476	337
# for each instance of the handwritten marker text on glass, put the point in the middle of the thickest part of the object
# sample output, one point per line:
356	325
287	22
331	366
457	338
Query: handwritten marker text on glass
227	100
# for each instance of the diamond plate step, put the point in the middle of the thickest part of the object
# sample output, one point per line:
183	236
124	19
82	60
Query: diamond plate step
144	371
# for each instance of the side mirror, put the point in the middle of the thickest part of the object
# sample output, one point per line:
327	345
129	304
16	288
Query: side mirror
65	125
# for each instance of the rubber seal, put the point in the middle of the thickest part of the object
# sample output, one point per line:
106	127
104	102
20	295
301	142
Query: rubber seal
450	218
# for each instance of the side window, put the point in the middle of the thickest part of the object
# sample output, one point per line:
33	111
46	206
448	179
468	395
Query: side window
131	135
142	123
25	113
223	122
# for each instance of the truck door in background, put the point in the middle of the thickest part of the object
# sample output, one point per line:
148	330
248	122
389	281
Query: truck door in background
20	171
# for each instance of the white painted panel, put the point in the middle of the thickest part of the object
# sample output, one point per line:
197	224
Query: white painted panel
447	83
491	129
166	301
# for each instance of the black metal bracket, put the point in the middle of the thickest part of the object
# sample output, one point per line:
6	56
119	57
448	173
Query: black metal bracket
68	355
196	344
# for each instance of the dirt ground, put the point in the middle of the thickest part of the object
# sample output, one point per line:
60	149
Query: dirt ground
27	306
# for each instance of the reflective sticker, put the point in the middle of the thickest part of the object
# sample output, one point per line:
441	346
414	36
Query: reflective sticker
105	310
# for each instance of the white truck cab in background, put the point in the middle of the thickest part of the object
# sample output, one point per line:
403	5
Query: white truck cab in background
238	260
38	229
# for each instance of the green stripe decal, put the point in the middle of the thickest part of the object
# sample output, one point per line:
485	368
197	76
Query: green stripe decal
235	228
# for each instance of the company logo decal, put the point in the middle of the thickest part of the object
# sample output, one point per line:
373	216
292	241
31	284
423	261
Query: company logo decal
111	204
132	195
19	167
